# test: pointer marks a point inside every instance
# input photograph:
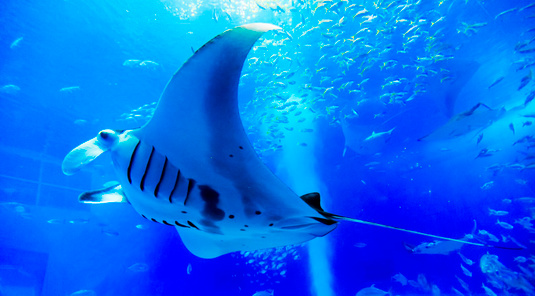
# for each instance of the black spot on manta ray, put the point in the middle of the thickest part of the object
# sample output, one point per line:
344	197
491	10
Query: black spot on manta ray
231	216
230	155
211	199
154	220
241	147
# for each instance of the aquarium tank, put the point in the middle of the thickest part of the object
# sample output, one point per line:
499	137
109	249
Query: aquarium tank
265	147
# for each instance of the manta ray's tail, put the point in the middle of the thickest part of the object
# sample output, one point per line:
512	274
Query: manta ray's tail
313	200
338	217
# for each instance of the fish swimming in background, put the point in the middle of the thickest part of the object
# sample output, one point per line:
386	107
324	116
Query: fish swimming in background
524	81
70	89
479	138
192	165
438	247
10	89
398	277
496	82
16	43
375	135
372	291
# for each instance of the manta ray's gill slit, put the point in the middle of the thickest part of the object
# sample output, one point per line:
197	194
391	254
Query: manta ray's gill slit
181	225
161	178
142	183
167	223
193	225
174	187
129	171
191	183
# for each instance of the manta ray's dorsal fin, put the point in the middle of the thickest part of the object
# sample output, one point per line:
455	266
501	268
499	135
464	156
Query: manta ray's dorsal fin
198	109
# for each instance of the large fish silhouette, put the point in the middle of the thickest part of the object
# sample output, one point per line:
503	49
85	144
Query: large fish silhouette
192	166
477	118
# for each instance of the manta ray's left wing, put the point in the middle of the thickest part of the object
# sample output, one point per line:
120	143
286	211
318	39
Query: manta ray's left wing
198	111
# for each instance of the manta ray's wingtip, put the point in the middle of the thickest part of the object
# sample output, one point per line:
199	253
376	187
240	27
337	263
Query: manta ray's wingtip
261	27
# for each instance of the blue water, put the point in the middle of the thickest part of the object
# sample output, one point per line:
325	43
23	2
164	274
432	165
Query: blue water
65	75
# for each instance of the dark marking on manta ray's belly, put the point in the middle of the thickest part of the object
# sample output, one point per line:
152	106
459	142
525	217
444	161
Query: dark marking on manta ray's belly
193	225
183	212
154	220
258	212
191	184
161	178
241	147
230	155
142	184
181	225
144	216
130	163
174	187
210	224
231	216
211	199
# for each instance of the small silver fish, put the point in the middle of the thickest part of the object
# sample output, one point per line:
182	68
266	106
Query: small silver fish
69	89
372	291
138	267
504	225
466	271
497	213
398	277
466	260
189	269
525	80
84	293
16	43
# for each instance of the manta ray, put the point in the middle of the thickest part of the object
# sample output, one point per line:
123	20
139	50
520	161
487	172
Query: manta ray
477	118
192	166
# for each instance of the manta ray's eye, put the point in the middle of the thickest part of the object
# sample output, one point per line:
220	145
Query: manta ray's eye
107	136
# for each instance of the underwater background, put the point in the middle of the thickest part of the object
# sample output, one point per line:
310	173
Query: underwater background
414	114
